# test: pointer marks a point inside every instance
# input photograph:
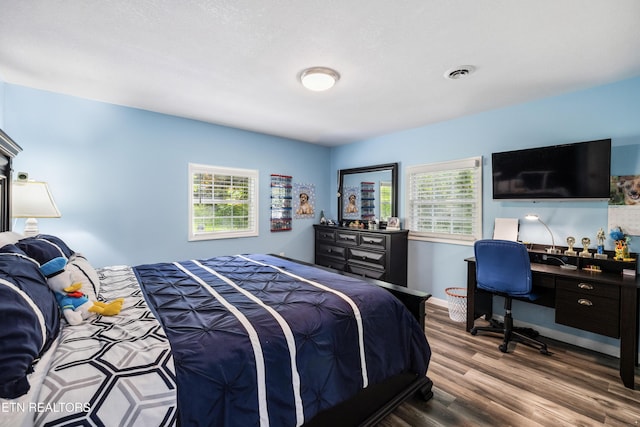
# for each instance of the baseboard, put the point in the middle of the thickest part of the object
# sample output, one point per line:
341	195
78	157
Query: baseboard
589	344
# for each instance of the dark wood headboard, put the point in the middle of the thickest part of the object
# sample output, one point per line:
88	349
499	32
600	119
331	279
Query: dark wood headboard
8	150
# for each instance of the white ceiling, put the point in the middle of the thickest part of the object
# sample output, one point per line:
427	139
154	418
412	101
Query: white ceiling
236	62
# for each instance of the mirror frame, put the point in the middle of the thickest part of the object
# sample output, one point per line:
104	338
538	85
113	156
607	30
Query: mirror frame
392	167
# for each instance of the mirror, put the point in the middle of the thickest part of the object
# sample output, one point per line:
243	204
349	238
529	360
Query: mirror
368	192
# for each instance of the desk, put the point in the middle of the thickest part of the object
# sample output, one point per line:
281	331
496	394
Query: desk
603	303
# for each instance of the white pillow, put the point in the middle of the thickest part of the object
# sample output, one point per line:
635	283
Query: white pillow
83	272
9	238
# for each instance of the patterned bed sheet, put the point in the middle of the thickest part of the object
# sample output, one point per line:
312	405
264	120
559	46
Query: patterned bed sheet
110	371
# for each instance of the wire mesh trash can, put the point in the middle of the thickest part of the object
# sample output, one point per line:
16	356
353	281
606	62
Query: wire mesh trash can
457	300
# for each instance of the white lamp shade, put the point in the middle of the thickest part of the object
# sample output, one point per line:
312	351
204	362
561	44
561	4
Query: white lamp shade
32	199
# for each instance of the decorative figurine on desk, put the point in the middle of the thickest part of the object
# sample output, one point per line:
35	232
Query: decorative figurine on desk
622	243
570	242
323	219
585	248
600	251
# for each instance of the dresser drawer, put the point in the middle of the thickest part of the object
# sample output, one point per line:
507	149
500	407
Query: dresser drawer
373	241
372	273
370	257
331	251
379	254
335	263
588	288
325	235
347	237
588	312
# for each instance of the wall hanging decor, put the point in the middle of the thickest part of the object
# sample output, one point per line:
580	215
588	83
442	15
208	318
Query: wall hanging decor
624	204
304	200
281	191
352	203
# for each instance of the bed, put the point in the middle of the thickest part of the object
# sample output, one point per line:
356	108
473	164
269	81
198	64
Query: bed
238	340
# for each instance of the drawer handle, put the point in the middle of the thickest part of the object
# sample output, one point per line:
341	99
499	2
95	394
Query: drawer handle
584	301
586	286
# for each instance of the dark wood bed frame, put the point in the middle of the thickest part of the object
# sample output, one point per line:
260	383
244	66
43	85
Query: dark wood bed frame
375	402
8	150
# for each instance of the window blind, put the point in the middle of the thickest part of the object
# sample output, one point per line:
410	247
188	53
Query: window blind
223	202
444	200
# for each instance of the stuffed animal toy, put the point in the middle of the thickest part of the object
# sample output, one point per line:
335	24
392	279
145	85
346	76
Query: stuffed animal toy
75	306
53	255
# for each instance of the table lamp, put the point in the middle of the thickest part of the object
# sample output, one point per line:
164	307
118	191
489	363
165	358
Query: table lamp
552	249
31	200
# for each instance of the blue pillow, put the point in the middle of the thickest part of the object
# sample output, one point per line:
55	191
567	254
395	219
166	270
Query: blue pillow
29	319
44	247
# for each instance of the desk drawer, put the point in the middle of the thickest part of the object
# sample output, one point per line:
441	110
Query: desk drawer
588	288
588	312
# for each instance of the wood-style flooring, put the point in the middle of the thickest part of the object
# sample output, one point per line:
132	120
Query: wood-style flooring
477	385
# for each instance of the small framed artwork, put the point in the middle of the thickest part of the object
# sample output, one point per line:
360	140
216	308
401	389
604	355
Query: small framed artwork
393	223
351	210
304	200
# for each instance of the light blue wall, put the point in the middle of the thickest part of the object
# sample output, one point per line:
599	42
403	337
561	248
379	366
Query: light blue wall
2	86
611	111
119	177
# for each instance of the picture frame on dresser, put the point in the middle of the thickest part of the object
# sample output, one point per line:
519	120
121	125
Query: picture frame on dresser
393	223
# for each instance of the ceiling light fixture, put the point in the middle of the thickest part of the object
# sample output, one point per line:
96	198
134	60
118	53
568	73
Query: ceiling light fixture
459	72
318	79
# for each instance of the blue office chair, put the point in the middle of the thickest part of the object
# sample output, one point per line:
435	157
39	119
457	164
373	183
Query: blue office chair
503	268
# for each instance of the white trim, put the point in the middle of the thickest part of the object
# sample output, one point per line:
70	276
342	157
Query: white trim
254	202
426	198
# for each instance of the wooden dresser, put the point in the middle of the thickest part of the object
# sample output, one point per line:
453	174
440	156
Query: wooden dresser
377	254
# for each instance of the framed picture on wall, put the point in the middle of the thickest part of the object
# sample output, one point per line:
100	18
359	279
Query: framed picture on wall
304	200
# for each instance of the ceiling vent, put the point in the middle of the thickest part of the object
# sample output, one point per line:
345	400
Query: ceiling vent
459	72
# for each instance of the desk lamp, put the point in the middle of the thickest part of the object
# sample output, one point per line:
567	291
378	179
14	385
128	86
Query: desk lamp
552	249
31	200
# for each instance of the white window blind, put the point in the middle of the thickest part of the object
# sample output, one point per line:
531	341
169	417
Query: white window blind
444	201
386	195
223	202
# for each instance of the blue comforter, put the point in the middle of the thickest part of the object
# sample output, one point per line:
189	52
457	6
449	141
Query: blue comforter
258	340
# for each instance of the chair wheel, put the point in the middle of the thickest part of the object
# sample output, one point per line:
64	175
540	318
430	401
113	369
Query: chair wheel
473	331
503	348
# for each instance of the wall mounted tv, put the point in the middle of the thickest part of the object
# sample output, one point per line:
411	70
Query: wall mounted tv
578	171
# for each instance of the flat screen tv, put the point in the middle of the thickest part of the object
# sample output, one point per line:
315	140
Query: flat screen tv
578	171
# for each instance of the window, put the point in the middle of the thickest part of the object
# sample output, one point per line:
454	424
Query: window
223	202
385	200
444	201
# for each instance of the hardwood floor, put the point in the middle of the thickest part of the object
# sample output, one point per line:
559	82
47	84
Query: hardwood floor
477	385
